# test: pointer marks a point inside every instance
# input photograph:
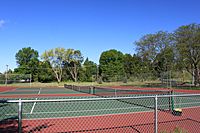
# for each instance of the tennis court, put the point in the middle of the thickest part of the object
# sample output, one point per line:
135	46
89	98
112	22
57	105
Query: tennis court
75	111
80	108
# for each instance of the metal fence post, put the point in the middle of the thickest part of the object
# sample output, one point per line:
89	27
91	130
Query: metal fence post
156	115
20	116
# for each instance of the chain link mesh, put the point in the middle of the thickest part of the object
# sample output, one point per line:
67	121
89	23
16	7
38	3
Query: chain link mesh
8	117
120	114
184	118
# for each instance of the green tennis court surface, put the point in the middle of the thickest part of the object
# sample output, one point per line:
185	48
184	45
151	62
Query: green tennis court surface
71	109
40	110
38	91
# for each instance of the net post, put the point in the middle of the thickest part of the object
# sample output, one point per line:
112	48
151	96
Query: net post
91	90
115	92
156	114
94	90
20	116
172	100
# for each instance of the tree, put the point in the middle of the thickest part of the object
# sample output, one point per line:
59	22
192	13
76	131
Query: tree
128	65
73	60
135	65
27	60
45	73
188	49
111	65
164	60
55	57
152	44
132	65
89	69
158	49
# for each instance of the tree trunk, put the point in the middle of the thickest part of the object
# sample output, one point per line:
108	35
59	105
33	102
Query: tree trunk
71	72
58	75
74	73
196	76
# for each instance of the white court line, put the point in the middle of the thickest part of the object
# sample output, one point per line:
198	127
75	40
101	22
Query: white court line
35	102
151	111
86	115
190	103
95	110
82	111
92	115
192	98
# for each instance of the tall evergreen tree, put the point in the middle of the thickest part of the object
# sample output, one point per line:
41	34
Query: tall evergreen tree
27	60
111	65
89	71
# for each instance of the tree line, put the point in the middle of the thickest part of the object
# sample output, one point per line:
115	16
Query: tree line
155	53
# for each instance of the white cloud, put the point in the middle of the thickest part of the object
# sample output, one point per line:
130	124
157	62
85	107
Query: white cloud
2	23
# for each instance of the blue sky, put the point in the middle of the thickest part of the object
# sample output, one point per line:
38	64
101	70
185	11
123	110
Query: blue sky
91	26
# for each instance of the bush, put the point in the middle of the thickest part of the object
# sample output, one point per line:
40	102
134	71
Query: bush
176	130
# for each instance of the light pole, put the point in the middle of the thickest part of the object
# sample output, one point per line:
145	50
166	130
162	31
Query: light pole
6	75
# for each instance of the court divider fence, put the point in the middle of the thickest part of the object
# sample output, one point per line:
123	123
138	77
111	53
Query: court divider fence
112	114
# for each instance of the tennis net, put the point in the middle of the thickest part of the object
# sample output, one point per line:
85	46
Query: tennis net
164	103
84	89
107	92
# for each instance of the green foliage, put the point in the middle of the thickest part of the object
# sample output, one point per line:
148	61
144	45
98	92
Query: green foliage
27	60
188	49
157	52
73	56
11	78
135	65
60	58
176	130
45	73
2	79
130	65
89	71
152	44
111	65
55	57
73	60
164	60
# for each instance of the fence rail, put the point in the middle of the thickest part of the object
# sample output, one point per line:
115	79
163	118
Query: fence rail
112	114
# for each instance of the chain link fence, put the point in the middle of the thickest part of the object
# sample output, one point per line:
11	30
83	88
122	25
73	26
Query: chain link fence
159	114
15	78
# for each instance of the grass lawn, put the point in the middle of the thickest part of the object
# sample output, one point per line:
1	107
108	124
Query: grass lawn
151	84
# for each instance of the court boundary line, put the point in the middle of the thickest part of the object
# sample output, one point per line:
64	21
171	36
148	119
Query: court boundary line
136	107
35	102
103	109
187	104
57	112
91	115
97	115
